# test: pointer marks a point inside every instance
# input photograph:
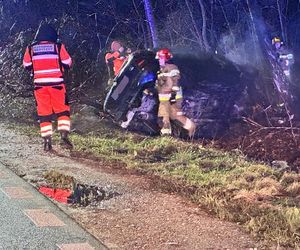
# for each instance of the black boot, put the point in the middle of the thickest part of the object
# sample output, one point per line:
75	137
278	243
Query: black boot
47	143
65	141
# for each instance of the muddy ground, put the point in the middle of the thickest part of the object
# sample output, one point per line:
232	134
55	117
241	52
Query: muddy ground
139	217
267	144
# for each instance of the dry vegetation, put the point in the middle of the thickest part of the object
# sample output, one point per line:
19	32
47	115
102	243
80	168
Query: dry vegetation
265	200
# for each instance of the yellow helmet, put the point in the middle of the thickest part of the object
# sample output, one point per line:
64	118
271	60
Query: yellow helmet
276	40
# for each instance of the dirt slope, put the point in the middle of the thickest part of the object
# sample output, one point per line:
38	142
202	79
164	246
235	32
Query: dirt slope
139	218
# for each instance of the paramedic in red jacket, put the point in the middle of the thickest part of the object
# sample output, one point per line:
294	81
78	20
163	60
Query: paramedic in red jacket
48	60
116	57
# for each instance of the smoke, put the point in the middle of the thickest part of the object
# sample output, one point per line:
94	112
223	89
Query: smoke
240	51
245	44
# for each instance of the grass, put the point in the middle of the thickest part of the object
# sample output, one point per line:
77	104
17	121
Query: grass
264	200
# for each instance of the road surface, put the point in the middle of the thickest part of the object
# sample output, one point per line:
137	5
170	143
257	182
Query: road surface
28	220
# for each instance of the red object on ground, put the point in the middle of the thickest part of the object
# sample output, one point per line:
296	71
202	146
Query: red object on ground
60	195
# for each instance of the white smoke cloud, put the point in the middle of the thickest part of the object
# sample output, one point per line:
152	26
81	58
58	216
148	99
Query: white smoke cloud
241	52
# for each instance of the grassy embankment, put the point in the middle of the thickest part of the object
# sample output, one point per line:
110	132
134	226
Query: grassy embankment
264	200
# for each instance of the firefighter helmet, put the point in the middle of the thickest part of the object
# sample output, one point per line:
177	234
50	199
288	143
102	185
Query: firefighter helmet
164	54
276	40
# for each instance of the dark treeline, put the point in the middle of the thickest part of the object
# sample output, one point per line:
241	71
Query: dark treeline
204	24
237	29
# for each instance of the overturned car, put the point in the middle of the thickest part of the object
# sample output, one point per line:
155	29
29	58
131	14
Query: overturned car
211	87
126	100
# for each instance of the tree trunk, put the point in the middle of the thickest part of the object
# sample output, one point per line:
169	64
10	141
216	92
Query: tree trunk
142	25
283	36
151	22
198	35
256	32
204	26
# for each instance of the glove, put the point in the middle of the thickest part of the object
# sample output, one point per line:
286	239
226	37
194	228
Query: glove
122	52
148	92
290	56
173	97
128	51
175	88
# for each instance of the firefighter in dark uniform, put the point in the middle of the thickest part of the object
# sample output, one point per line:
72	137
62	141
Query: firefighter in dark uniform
284	57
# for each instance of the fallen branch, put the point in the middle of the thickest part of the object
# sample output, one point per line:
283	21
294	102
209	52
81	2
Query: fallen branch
251	122
274	128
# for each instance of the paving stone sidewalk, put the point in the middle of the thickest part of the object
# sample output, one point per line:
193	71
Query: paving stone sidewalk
28	220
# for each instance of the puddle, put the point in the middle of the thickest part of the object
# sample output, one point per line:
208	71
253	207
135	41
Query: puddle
85	195
81	195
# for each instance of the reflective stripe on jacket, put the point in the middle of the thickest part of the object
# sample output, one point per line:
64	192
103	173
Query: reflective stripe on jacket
166	97
168	79
47	60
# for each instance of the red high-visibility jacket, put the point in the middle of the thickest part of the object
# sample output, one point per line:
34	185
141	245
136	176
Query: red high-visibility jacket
48	60
117	59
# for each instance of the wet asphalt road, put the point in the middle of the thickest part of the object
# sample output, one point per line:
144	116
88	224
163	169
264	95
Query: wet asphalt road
28	220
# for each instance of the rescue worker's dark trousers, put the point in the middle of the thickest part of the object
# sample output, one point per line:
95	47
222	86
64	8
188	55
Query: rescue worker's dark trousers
168	111
52	100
